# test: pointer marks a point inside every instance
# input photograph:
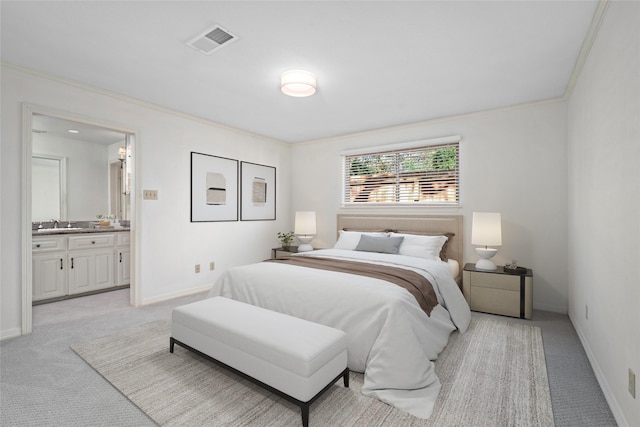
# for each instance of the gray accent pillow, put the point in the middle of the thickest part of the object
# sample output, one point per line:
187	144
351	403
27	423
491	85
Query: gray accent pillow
381	244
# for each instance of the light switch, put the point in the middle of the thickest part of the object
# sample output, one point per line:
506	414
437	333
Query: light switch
150	194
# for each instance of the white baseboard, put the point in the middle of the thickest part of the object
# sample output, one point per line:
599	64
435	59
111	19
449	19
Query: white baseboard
10	333
601	378
172	295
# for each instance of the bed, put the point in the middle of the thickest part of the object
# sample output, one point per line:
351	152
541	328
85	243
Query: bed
391	338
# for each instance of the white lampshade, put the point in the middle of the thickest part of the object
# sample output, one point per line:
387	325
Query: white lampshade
305	228
298	83
486	230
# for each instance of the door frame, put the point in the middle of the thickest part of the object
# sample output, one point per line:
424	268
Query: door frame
28	110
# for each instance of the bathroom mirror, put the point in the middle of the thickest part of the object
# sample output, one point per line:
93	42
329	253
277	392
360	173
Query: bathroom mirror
78	171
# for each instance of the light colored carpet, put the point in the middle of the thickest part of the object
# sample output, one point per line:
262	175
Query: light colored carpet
493	375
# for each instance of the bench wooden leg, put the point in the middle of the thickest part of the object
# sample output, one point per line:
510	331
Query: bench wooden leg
305	415
171	344
345	377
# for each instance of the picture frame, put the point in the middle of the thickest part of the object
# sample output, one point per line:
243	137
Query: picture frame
214	188
257	192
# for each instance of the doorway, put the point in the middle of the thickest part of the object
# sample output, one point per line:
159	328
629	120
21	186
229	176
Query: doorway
80	198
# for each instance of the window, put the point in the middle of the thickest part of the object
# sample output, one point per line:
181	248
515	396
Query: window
417	173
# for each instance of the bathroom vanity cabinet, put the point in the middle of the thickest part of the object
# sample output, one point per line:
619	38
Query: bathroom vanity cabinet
90	262
123	259
49	275
79	263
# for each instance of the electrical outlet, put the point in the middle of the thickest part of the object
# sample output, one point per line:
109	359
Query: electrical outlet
586	311
197	268
632	383
212	265
150	194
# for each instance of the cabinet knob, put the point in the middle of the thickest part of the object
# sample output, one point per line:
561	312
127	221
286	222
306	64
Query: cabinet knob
38	245
93	242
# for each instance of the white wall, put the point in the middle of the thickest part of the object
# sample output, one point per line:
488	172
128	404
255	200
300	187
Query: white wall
604	207
87	174
513	161
169	245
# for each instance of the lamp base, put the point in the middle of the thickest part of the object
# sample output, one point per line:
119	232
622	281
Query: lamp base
305	245
486	264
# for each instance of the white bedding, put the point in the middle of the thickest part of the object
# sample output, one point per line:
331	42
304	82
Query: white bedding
390	338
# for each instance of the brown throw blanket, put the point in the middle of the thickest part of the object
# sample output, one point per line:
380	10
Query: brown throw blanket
415	283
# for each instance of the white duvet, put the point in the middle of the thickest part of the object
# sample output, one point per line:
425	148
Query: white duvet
390	338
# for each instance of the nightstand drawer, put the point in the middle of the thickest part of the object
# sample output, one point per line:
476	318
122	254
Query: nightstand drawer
508	283
497	301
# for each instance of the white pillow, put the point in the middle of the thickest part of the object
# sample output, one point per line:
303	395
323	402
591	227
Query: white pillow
348	240
454	268
428	247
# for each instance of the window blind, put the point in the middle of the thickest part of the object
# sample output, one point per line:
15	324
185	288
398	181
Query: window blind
419	175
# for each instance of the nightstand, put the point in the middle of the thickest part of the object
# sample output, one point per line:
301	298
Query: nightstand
499	291
280	252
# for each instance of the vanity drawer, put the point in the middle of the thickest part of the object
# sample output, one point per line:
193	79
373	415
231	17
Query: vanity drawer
123	238
97	240
45	244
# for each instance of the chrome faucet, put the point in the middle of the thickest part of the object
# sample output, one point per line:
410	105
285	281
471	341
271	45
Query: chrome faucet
55	223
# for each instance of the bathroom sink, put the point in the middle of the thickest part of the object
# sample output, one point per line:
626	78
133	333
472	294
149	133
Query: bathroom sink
59	230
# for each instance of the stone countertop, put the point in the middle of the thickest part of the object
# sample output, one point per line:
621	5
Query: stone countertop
64	231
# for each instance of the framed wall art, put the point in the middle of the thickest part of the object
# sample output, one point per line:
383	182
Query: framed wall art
257	192
214	188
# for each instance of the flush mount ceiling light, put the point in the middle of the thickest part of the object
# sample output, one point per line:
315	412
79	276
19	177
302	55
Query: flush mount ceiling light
298	83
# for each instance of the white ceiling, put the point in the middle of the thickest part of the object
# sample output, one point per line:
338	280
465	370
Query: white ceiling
379	63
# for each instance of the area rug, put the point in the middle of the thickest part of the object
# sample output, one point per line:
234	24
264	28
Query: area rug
493	375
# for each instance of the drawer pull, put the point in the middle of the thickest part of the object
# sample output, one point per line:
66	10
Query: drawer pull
71	262
60	263
93	242
38	245
120	256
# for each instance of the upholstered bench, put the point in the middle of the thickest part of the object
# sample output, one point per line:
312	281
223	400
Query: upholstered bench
294	358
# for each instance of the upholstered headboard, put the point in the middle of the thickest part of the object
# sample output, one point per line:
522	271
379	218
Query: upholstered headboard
418	224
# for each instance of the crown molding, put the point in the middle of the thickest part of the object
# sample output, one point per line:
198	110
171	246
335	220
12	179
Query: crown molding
585	50
136	101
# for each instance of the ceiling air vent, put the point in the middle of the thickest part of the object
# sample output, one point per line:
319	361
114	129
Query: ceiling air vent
211	40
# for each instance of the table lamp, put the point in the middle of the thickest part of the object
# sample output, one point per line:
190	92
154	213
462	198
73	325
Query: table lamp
305	229
486	231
